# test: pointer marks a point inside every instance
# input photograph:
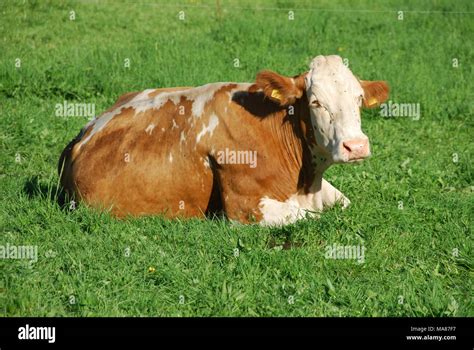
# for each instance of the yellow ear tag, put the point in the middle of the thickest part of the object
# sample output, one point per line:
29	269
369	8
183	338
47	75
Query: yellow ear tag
276	94
372	101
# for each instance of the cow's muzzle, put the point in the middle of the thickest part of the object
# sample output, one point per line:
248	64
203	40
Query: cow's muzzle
356	149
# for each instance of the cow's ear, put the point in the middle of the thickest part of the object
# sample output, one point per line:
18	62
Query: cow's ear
281	89
375	92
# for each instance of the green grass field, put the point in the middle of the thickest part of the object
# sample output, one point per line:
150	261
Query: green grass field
412	202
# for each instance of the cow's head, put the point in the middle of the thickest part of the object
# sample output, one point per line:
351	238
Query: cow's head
335	97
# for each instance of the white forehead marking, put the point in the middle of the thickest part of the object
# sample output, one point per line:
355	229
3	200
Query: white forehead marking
329	79
213	122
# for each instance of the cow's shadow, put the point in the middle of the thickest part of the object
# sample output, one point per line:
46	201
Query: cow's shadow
282	238
53	192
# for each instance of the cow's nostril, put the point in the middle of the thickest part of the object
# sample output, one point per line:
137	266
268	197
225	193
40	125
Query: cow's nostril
347	147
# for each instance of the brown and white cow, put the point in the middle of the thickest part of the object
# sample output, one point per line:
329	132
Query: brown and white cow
255	151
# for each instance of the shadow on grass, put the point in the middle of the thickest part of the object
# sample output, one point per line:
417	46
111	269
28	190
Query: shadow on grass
281	237
34	188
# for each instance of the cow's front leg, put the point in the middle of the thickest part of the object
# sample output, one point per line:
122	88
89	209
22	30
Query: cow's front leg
276	213
332	195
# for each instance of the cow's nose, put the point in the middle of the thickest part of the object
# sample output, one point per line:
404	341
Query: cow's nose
356	148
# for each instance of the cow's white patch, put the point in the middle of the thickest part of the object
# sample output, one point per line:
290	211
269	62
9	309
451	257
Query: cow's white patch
276	213
142	103
150	128
190	121
332	196
206	93
170	158
201	95
213	122
298	206
156	102
142	96
99	123
86	127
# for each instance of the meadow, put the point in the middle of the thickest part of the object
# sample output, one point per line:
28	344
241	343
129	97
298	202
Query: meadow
412	201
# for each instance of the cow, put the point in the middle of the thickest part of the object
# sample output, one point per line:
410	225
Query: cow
254	152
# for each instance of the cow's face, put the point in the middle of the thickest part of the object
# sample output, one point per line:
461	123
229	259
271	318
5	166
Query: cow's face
335	97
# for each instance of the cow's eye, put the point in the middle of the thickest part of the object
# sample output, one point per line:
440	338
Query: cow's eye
315	103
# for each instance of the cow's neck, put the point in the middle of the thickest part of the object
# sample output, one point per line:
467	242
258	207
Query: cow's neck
312	193
294	166
294	134
320	164
286	134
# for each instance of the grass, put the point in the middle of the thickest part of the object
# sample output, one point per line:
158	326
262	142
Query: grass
90	264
